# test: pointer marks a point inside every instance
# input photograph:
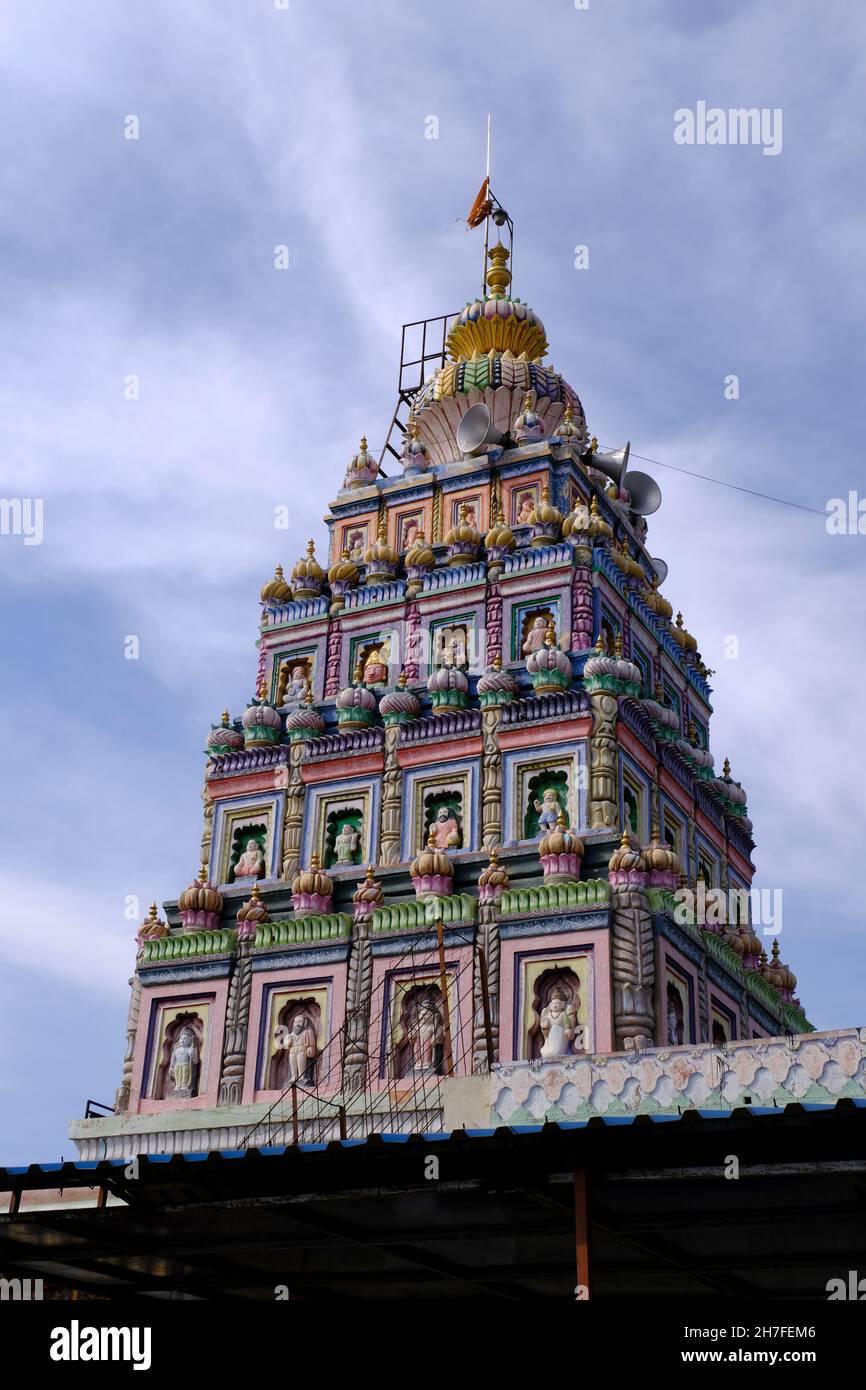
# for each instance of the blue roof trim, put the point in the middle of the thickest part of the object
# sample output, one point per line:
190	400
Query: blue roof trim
277	1151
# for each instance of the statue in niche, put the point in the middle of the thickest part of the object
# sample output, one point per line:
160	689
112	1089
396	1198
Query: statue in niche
298	687
356	540
302	1047
347	845
674	1017
558	1024
452	646
446	829
537	632
376	664
183	1065
251	863
426	1033
549	810
525	504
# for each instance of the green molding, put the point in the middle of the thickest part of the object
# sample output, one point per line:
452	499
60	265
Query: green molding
764	992
301	931
192	943
663	900
724	954
412	916
590	892
797	1022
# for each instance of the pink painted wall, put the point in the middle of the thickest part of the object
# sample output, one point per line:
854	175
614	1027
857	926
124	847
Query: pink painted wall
333	976
213	992
564	945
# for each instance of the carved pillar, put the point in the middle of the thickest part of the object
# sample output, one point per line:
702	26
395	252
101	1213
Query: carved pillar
332	661
411	628
489	941
704	1031
602	761
358	991
437	514
494	624
207	833
581	604
633	965
491	779
294	814
121	1099
392	798
237	1027
263	656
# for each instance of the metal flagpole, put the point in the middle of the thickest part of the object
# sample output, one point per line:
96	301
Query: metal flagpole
487	218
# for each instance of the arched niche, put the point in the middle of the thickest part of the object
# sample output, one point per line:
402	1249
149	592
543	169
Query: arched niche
304	1011
419	1039
674	1016
166	1086
344	836
534	626
546	780
295	679
242	835
443	813
551	1025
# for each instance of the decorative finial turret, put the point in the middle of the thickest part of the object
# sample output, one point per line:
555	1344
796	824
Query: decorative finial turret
498	276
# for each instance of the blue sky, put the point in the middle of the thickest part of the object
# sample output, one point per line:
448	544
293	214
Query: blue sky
306	127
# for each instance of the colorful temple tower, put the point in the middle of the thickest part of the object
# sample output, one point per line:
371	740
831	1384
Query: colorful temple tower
470	819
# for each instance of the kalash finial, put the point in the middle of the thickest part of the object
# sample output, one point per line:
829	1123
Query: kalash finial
550	635
600	646
263	689
498	276
358	675
225	718
497	662
363	448
402	679
618	645
726	768
431	839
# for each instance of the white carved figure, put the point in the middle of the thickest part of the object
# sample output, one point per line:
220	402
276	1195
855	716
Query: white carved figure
536	635
673	1027
252	862
427	1033
549	810
183	1063
299	685
302	1046
558	1025
347	844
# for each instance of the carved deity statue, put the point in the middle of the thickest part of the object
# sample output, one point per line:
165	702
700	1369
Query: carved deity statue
536	634
184	1062
251	863
426	1033
446	829
549	810
347	844
673	1027
526	507
303	1048
299	685
376	665
558	1024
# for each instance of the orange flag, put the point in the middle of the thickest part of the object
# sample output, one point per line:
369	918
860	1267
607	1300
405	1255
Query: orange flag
480	208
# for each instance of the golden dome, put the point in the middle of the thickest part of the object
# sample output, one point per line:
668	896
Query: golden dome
277	588
152	928
344	570
420	556
313	880
381	552
681	635
431	861
544	513
495	875
626	858
656	601
464	533
253	910
369	892
561	840
497	323
597	524
308	566
200	896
